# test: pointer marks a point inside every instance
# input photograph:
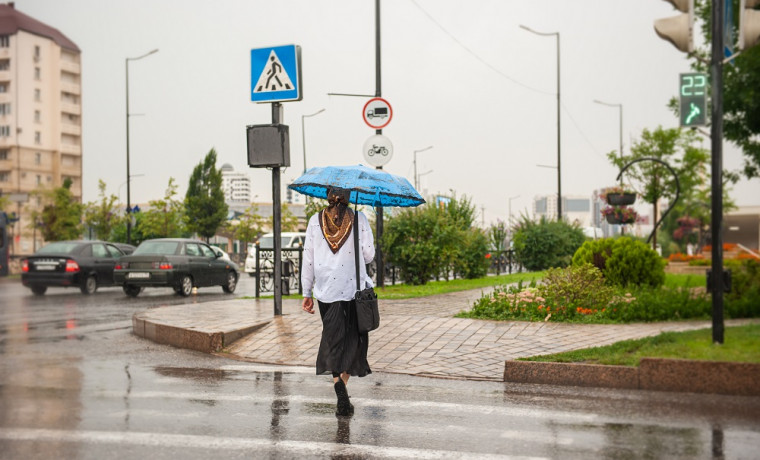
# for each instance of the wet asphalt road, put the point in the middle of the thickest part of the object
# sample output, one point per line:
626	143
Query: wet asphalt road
75	383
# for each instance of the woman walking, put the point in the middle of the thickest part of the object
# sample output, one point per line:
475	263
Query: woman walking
328	274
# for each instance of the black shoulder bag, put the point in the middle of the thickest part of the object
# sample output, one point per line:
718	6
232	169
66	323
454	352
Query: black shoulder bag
367	312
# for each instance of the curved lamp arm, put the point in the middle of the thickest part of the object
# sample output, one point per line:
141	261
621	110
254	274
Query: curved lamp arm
678	188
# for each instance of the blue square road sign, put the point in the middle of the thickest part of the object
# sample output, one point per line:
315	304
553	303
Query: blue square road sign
276	74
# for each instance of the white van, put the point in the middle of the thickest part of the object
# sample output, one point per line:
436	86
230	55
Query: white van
288	239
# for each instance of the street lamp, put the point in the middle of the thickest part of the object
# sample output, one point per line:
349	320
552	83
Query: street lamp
129	209
620	106
303	135
510	208
559	168
416	177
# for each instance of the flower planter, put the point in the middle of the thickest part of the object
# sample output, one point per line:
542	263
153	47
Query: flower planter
614	219
621	199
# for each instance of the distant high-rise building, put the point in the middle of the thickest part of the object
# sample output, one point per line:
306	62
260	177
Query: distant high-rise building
40	116
236	186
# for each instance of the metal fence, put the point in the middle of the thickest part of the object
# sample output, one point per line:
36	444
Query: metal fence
292	260
504	261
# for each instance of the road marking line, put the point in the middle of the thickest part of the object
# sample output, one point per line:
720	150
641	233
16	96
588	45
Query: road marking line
232	443
366	402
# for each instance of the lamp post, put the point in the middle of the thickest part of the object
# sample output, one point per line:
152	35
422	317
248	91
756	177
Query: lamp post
559	132
303	134
619	106
416	177
129	203
510	208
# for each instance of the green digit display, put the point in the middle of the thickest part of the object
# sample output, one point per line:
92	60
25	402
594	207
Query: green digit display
693	98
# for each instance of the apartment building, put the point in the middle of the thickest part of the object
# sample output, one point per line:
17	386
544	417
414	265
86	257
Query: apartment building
40	117
236	186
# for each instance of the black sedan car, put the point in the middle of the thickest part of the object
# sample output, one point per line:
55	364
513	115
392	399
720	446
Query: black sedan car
85	264
177	263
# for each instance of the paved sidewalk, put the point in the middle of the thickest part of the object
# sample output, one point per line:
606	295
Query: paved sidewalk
416	336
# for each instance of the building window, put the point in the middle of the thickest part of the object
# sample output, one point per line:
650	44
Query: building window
4	87
37	74
5	131
37	158
5	176
37	137
37	95
39	179
5	64
37	116
36	52
5	108
4	154
5	41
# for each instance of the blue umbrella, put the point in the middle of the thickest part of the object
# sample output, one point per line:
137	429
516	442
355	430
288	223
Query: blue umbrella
369	186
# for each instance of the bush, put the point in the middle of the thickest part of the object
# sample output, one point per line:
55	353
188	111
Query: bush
575	290
546	243
430	241
744	299
623	261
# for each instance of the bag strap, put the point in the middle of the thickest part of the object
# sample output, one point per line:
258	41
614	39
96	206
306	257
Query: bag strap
356	247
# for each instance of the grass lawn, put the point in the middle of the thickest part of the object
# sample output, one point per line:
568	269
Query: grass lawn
741	344
682	280
407	291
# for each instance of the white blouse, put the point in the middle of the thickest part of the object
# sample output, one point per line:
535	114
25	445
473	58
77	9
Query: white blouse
331	277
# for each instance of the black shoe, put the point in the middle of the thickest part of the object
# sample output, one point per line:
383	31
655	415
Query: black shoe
345	408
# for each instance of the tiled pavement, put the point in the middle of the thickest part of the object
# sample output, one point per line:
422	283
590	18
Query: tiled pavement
417	336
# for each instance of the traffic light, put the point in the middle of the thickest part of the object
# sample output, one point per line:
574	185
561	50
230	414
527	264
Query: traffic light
678	29
692	92
749	24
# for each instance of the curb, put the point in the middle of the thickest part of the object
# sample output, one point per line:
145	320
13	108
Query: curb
653	374
190	338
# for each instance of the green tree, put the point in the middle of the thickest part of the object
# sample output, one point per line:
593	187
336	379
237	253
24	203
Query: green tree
741	80
288	220
164	218
205	209
653	181
5	203
497	235
546	243
103	215
61	217
249	225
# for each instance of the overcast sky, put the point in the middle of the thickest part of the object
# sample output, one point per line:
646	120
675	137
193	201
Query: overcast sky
461	76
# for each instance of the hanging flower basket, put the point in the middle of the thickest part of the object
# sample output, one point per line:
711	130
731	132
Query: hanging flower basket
621	199
618	196
620	215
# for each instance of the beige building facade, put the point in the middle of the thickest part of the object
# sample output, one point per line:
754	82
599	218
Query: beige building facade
40	118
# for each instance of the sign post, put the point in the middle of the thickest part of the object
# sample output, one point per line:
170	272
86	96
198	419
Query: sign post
275	78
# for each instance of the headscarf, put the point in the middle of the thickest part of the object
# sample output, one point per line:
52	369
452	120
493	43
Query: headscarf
337	219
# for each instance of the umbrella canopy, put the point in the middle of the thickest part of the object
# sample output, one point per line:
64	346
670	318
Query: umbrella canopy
369	186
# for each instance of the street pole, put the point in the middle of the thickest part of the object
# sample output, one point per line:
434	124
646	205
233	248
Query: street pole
416	177
716	219
559	131
129	202
378	93
303	134
277	116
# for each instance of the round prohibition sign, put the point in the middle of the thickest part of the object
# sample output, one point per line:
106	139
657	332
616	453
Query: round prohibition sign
377	113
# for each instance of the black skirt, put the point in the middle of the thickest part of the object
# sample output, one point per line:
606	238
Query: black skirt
343	348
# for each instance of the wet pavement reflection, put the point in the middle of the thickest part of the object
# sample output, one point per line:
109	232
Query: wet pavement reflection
75	383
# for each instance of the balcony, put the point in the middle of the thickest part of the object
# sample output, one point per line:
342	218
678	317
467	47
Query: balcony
71	149
69	66
71	88
68	128
73	109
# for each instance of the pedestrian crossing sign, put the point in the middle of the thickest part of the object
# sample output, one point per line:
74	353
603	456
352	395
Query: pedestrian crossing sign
276	74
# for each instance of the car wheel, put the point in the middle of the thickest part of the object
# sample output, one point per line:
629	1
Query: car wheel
90	285
132	290
186	286
39	290
229	288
